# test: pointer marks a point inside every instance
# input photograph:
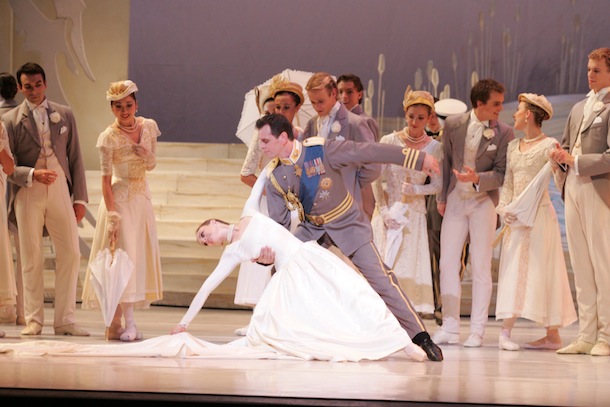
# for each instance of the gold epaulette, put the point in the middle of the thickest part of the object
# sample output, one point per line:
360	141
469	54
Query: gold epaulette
314	141
271	166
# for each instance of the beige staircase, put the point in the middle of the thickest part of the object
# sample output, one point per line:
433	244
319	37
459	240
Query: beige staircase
192	182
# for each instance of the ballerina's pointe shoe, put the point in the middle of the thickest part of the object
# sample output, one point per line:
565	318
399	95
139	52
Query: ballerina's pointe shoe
415	352
131	334
505	343
241	331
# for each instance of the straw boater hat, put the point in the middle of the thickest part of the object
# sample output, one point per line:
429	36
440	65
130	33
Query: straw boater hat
120	90
417	97
279	84
537	100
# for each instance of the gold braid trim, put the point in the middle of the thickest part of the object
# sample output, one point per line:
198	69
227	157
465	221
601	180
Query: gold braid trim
291	200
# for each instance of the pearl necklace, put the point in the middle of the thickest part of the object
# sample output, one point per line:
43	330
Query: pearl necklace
128	129
531	140
412	139
230	233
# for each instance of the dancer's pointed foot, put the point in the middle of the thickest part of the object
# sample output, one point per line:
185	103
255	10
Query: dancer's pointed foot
415	352
131	334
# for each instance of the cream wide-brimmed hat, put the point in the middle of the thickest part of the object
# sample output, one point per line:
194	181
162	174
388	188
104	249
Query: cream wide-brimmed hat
120	90
537	100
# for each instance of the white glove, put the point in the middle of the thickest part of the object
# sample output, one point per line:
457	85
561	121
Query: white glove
408	188
509	218
388	220
114	223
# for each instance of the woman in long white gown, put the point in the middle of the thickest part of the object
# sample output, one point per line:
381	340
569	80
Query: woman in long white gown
315	306
411	262
533	279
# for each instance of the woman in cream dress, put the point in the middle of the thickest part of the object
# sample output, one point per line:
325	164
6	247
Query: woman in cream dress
126	217
8	289
412	261
533	279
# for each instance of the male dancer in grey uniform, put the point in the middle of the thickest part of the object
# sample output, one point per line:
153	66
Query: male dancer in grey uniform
308	177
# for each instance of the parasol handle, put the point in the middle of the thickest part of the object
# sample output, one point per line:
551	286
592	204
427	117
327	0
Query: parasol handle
500	234
112	246
407	198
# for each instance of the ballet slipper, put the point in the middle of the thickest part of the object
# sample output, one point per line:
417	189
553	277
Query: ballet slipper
505	343
415	352
131	334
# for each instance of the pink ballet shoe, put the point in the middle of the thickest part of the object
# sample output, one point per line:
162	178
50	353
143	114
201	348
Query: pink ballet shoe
415	352
131	334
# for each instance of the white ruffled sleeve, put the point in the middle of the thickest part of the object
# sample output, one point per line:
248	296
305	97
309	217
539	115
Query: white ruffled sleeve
252	205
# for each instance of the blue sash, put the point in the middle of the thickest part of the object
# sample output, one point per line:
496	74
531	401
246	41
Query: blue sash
310	178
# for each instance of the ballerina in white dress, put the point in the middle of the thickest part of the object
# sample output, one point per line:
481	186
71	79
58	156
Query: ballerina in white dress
314	307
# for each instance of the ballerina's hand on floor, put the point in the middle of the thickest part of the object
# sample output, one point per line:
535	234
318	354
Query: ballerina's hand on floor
178	328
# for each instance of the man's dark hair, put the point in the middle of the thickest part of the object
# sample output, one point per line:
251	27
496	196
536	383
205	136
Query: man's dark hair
482	90
8	86
31	68
350	77
277	123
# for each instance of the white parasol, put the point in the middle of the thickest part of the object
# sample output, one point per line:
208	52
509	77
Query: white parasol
110	273
525	206
394	236
250	113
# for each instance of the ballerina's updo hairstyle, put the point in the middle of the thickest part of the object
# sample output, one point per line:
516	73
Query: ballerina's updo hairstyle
206	223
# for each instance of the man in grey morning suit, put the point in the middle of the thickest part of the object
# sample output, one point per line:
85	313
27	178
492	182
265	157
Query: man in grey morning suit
334	120
308	177
49	192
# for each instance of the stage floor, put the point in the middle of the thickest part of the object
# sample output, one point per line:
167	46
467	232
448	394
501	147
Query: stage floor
485	376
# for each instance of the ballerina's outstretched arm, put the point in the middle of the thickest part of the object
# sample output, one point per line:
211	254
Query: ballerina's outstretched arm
228	260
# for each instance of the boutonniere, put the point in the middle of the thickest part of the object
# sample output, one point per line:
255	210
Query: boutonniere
336	127
598	106
488	133
55	117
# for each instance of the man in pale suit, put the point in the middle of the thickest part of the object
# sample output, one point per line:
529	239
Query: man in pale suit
49	193
585	184
475	145
334	120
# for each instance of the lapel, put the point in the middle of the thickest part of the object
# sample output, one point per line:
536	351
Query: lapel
484	143
54	128
594	113
26	118
341	118
459	143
